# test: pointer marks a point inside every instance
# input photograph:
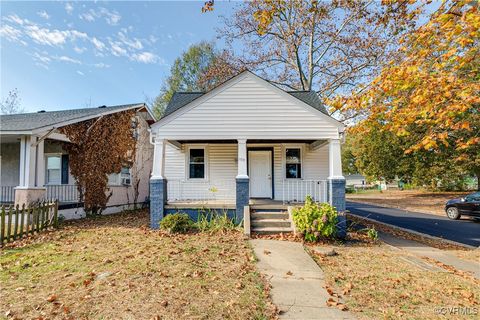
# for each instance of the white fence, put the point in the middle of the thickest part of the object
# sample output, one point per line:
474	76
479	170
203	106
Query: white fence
296	190
7	194
63	192
185	190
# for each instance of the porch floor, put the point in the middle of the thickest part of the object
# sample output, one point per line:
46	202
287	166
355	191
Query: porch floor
228	204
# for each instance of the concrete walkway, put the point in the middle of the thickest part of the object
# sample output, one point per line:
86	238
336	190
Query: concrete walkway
422	250
298	286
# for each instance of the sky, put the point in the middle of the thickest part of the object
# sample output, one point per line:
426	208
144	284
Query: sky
66	55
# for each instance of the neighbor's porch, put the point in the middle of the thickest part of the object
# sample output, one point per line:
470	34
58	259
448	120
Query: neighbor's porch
34	168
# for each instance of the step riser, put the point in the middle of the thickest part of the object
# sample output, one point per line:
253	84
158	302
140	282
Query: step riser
270	232
271	224
261	216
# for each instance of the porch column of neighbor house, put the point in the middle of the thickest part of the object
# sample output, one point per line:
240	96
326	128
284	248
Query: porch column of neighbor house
29	190
158	184
336	183
242	181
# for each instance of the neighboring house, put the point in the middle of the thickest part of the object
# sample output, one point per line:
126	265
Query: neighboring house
356	180
34	165
244	142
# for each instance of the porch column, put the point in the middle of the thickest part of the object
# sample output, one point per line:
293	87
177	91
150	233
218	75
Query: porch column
158	184
29	190
336	182
242	180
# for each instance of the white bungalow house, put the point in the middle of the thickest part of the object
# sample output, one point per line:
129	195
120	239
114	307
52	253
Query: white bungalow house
246	146
35	166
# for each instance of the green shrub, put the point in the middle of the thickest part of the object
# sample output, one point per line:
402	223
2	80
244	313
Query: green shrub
372	233
315	221
177	222
212	221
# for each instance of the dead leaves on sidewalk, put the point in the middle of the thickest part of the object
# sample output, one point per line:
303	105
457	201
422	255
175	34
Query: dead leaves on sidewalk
334	300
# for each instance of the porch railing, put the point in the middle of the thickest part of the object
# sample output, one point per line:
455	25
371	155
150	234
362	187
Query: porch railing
63	192
184	190
296	190
7	194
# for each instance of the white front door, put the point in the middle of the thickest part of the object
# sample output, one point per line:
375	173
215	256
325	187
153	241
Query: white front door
260	173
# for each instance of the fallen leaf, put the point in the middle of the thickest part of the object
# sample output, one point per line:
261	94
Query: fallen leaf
331	302
52	298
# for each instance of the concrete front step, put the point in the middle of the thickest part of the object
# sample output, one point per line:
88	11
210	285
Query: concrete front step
271	230
271	223
260	215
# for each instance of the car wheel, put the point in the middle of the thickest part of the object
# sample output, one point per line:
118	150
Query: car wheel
452	213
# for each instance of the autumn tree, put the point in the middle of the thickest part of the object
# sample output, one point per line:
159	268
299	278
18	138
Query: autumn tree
330	47
430	98
99	147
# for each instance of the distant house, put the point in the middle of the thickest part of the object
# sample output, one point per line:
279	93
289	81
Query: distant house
34	165
355	180
245	145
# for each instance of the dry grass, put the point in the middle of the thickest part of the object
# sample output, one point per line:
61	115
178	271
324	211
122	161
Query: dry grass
114	267
376	282
471	255
412	200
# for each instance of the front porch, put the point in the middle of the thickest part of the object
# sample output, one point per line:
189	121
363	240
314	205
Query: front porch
230	175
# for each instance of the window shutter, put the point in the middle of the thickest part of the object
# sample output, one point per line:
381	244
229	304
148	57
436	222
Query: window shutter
64	168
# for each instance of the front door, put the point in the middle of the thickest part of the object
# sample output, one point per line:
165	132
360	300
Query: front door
260	173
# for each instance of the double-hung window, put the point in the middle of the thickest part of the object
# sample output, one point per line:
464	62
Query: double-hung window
54	169
196	163
293	163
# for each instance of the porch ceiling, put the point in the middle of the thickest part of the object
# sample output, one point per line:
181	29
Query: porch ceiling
248	141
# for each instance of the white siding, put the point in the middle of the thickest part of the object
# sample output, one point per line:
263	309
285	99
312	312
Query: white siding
222	170
251	109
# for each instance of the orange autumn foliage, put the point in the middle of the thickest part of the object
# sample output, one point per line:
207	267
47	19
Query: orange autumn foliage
431	94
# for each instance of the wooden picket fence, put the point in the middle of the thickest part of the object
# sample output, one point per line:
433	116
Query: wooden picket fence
17	222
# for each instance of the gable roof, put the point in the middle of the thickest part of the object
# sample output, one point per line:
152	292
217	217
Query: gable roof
181	99
38	121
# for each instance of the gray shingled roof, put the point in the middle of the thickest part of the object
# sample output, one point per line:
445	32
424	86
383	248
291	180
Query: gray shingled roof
37	120
181	99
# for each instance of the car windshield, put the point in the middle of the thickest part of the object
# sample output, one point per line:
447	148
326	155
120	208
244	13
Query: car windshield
473	196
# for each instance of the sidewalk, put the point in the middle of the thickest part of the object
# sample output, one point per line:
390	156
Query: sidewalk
422	250
298	286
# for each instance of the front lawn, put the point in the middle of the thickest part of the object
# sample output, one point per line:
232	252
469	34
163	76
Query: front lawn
114	267
377	282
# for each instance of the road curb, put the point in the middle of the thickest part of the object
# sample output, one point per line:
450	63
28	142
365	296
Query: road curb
413	232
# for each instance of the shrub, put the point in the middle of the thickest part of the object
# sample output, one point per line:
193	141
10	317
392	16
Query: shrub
315	221
212	221
372	233
177	222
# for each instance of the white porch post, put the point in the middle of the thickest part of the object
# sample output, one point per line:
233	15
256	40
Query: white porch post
334	159
27	162
158	184
30	189
158	171
242	194
336	183
242	159
40	181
